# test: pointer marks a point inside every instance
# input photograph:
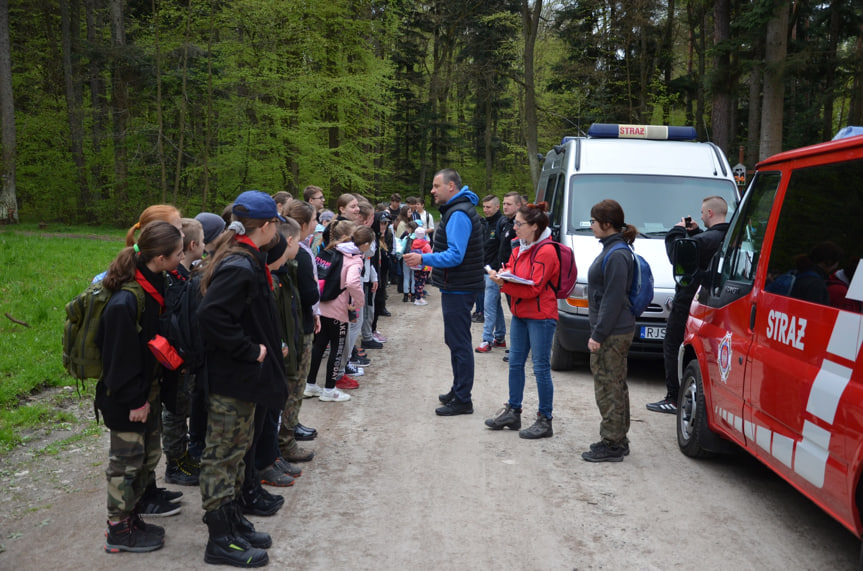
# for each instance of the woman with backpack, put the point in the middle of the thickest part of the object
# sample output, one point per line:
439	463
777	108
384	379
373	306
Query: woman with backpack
128	394
534	319
245	368
351	242
612	325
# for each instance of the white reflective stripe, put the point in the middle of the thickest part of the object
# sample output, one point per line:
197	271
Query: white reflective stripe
827	389
763	437
810	458
846	336
855	290
738	423
783	449
748	429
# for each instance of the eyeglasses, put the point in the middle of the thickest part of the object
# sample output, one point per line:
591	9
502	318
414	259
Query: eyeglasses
593	220
518	224
321	197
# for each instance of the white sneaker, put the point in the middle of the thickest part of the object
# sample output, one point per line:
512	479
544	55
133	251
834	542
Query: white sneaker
312	391
421	301
333	395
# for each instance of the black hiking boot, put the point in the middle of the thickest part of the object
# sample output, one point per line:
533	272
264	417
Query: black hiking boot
225	546
181	472
541	429
258	501
246	529
455	407
446	397
126	536
507	417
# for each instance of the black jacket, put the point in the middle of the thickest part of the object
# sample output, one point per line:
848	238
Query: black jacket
308	288
708	242
129	369
506	235
468	275
492	240
609	308
237	313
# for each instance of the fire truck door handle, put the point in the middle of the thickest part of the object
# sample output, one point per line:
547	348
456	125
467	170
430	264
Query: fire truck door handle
752	312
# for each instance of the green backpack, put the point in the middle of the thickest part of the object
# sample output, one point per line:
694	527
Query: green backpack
82	357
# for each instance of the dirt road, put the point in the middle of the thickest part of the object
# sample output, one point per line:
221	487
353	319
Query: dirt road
394	487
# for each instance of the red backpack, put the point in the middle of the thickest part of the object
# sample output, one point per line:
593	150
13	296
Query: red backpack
568	271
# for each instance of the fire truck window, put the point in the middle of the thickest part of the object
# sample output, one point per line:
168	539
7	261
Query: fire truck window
738	259
819	237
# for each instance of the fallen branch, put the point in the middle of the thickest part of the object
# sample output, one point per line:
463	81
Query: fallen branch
18	321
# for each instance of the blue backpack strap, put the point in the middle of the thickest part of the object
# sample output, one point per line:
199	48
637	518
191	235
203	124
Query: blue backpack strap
613	249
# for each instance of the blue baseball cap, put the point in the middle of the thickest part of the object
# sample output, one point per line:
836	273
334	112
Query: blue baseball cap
256	204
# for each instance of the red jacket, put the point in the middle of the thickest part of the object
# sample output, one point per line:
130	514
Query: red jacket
533	301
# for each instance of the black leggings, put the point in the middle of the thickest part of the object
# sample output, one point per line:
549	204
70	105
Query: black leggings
333	333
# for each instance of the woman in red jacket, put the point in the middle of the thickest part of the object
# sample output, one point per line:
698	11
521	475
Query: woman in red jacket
534	318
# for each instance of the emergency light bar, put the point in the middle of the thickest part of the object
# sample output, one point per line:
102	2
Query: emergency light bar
654	132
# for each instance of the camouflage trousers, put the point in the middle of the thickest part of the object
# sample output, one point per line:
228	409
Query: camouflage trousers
175	426
230	423
608	366
132	460
296	387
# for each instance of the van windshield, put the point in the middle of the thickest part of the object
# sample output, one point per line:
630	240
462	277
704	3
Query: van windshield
651	203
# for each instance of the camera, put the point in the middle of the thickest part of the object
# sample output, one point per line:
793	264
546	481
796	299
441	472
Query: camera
687	221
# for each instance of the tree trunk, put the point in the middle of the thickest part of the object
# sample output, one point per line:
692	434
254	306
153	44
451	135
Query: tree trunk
160	117
722	88
70	18
184	100
119	106
753	126
8	196
98	99
827	128
775	49
530	19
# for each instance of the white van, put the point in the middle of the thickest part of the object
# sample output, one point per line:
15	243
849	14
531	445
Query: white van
658	175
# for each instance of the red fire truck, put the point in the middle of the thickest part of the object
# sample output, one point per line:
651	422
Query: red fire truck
772	358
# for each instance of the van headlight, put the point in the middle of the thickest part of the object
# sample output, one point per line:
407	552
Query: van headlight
578	297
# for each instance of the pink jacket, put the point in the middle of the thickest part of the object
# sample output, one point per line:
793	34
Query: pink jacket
352	281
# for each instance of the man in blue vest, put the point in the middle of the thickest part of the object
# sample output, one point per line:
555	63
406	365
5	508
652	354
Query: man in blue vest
456	261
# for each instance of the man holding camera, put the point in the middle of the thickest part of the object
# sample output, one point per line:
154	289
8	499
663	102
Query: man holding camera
713	212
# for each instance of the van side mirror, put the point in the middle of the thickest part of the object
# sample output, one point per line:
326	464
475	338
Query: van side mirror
685	261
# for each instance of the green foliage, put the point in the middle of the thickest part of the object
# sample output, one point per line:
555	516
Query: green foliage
42	272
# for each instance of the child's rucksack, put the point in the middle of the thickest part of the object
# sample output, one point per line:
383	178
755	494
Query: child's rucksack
641	289
568	269
179	322
82	357
329	263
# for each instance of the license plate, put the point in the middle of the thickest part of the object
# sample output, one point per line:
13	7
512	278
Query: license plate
652	333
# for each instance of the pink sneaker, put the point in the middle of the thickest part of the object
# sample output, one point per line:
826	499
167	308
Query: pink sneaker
378	337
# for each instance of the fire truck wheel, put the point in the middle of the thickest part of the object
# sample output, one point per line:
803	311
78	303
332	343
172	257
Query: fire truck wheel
692	427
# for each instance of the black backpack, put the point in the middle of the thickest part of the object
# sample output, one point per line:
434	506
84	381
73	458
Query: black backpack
329	263
179	321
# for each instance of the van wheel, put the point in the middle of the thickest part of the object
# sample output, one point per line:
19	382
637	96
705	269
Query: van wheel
692	427
561	359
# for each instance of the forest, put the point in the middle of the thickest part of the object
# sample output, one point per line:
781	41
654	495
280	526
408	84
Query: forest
107	106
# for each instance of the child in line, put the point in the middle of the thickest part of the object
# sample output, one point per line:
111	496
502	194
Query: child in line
177	394
291	430
238	320
127	393
351	242
420	246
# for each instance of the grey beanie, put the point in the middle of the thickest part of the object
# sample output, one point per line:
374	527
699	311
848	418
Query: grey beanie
213	225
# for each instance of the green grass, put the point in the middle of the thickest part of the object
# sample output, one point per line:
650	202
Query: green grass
40	271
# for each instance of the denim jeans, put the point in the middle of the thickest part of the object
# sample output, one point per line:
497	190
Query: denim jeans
534	336
456	332
407	278
495	322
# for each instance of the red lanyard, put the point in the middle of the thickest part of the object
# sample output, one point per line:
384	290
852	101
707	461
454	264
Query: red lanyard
149	288
248	242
